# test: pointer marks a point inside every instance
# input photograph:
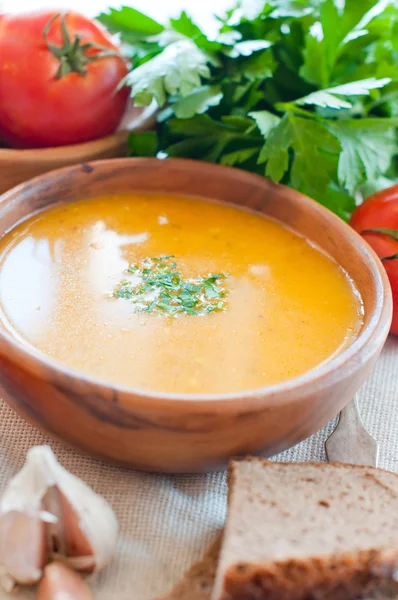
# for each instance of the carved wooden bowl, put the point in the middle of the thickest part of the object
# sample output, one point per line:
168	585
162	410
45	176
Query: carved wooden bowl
176	433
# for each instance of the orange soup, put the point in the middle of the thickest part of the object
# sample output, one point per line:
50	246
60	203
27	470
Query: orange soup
174	294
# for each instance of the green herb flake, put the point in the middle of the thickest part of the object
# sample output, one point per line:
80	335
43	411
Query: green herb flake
124	291
161	289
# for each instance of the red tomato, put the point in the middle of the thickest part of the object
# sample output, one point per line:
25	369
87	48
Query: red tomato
47	100
380	211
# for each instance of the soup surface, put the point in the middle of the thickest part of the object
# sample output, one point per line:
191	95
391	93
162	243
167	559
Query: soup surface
73	285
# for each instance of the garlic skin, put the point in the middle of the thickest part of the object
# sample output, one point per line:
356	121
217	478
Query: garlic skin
45	511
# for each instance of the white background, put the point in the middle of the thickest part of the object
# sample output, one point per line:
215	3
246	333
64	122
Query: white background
158	9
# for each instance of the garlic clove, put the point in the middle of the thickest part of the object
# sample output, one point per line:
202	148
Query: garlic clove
55	530
66	539
89	523
22	547
54	510
59	582
76	542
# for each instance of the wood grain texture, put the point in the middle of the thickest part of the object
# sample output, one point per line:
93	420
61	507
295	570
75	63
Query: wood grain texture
179	433
17	166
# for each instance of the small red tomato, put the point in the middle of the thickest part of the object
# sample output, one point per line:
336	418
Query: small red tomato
377	221
58	79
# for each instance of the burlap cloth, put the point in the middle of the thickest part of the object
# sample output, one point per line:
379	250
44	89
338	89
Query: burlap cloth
166	522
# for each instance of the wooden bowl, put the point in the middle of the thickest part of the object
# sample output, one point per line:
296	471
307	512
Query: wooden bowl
17	166
182	433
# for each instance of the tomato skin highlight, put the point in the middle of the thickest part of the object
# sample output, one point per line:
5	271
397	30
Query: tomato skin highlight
381	211
38	110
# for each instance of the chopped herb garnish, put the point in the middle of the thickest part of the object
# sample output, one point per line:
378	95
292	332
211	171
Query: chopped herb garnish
125	290
163	258
158	287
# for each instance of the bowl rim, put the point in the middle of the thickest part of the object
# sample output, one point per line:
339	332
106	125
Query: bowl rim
49	154
320	377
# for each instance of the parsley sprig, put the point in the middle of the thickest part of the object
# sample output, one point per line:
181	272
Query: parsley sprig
302	91
156	286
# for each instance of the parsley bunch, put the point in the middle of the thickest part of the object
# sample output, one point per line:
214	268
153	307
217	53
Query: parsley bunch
302	91
157	287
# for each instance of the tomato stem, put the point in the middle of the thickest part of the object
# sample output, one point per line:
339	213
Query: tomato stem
72	55
383	230
392	257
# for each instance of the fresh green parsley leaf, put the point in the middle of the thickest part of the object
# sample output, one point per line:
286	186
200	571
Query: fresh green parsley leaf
375	124
239	156
315	153
276	9
184	25
127	20
336	200
366	152
315	69
237	124
138	33
312	144
251	9
275	150
336	27
291	9
325	99
265	120
143	144
198	125
200	148
178	69
329	97
308	87
208	139
198	101
247	48
258	66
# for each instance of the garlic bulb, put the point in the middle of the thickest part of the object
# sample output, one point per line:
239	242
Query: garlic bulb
47	512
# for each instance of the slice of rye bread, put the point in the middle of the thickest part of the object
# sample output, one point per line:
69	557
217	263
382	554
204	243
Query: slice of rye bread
307	531
198	581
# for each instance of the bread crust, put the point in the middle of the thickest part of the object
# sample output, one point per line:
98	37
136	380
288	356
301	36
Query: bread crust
342	577
345	576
